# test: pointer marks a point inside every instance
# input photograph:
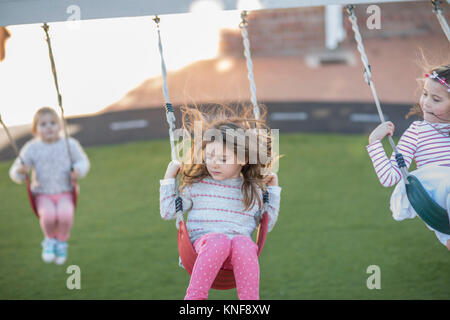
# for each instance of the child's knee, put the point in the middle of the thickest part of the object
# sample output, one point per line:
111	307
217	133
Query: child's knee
448	244
65	207
65	220
65	215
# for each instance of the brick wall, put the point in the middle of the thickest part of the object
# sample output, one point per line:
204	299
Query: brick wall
276	32
297	31
402	20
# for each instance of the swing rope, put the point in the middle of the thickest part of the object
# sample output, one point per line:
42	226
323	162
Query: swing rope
46	27
27	177
170	117
368	79
11	141
247	53
243	25
441	18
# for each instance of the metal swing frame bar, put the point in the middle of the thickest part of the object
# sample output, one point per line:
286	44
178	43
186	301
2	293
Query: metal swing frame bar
14	12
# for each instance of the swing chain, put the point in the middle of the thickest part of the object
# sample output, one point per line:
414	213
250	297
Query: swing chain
266	196
169	107
400	160
258	217
178	209
178	204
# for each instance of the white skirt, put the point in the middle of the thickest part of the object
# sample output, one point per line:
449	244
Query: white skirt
436	180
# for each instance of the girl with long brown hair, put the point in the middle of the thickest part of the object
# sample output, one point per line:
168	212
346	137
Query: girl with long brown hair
221	184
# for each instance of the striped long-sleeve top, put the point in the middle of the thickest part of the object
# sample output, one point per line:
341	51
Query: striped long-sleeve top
426	143
216	206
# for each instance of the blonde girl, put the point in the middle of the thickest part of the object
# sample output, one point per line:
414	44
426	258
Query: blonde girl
47	156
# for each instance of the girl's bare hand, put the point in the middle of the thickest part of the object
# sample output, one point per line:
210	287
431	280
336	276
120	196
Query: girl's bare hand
384	129
24	169
271	180
172	169
74	175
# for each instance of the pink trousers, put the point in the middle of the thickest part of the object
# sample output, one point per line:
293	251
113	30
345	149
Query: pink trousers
216	250
55	214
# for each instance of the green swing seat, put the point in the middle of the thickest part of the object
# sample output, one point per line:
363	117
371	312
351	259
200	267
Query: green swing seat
428	210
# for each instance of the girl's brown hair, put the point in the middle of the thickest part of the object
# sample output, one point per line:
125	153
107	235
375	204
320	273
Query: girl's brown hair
442	71
238	118
39	113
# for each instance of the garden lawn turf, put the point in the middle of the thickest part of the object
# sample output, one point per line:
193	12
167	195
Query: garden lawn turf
333	224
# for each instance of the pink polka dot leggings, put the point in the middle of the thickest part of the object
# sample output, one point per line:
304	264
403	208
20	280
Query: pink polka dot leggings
55	214
216	250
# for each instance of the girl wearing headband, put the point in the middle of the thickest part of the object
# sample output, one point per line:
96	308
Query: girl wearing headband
427	142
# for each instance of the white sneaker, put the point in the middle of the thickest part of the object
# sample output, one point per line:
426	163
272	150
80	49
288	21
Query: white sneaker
61	252
48	250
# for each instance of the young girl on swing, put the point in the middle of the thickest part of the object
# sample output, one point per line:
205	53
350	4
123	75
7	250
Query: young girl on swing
427	142
47	155
223	193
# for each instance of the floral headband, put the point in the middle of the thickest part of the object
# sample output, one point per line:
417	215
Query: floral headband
434	75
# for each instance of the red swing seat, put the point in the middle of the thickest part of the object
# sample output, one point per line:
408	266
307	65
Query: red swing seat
225	278
32	197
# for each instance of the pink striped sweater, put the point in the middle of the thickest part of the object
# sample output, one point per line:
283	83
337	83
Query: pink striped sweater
426	143
216	206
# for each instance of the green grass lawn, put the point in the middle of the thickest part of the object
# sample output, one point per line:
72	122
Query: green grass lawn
334	223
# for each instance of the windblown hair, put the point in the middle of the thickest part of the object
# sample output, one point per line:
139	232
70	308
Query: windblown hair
443	71
41	112
230	124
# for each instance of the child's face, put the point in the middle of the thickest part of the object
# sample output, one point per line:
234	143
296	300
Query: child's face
435	102
47	127
221	162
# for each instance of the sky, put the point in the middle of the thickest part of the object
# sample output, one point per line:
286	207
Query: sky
99	61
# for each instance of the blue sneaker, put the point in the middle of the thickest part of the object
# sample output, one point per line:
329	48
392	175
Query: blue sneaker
48	250
61	252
